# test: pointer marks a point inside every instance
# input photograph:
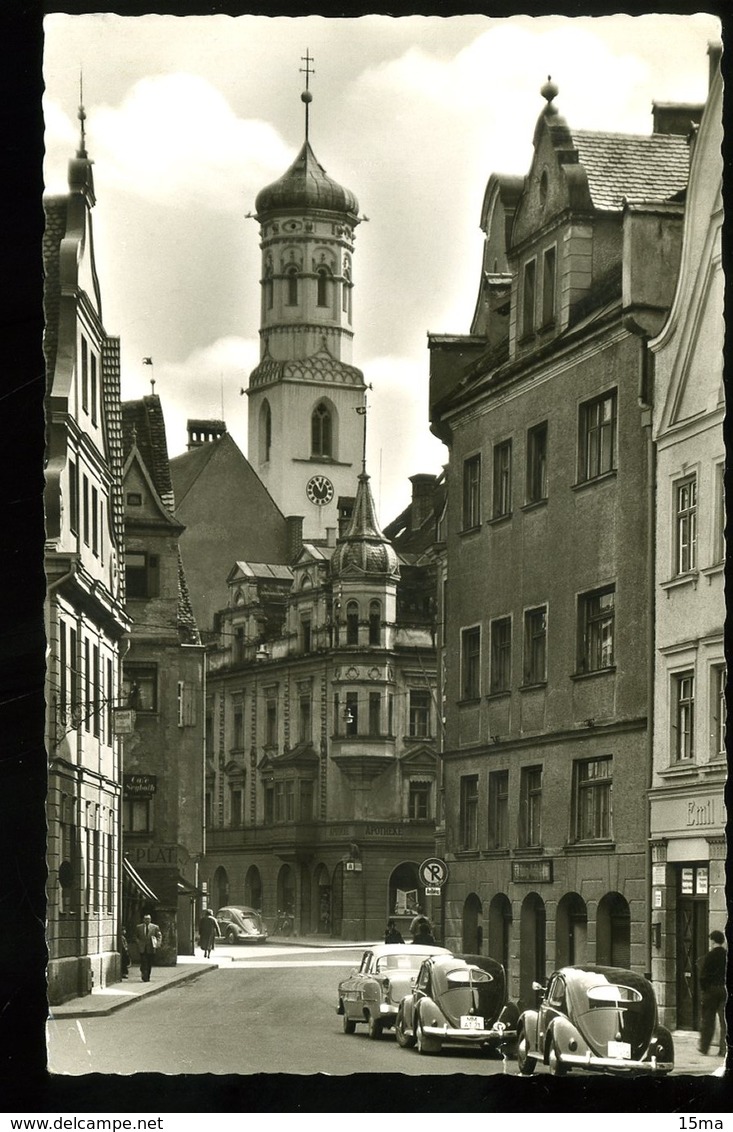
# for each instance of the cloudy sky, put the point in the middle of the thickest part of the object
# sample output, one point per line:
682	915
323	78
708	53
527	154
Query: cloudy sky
188	117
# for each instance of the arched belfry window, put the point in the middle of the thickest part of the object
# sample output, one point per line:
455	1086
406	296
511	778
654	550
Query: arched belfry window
321	431
375	623
267	288
265	432
291	276
352	623
322	287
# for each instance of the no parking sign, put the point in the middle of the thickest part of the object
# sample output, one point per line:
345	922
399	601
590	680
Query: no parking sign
433	873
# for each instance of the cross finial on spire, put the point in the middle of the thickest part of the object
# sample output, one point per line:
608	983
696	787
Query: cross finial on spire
306	97
82	116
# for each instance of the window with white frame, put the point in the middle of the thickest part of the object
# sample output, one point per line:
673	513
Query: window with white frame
529	283
592	797
502	495
718	712
419	713
596	625
597	437
683	715
549	265
685	497
468	816
535	645
719	531
537	463
419	801
530	806
472	492
500	676
470	663
499	809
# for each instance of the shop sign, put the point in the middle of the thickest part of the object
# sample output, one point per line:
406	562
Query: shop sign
139	785
701	882
123	720
687	888
658	874
153	855
657	898
532	872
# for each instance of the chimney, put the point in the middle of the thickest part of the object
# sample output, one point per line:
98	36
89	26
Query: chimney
422	499
294	535
204	432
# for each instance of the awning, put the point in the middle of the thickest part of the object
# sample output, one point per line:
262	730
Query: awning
186	887
138	881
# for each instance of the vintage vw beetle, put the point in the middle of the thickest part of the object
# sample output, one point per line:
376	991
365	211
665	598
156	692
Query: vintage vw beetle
372	993
458	1001
598	1018
240	924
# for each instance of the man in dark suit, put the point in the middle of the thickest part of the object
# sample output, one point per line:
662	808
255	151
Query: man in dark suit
149	938
712	985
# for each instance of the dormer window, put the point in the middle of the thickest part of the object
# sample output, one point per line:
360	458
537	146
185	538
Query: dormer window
528	297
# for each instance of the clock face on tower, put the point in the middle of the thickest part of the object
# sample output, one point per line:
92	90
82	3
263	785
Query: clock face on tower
319	490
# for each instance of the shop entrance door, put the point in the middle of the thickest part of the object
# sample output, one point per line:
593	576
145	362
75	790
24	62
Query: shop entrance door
692	934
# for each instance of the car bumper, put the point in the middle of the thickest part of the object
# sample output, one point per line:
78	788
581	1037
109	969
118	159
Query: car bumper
614	1064
494	1037
387	1011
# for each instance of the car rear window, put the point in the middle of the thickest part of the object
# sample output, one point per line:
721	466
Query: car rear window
609	994
398	963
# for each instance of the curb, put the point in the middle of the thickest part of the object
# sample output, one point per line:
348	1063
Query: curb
56	1013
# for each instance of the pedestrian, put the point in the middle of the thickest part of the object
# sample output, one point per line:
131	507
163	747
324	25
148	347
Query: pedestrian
124	954
712	985
208	931
424	933
392	935
417	918
149	938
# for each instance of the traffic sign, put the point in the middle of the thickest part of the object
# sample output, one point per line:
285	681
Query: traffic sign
433	872
433	891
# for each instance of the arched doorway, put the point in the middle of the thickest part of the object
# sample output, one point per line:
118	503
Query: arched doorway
286	890
571	930
531	948
500	928
323	900
337	899
405	896
253	888
613	931
472	936
220	888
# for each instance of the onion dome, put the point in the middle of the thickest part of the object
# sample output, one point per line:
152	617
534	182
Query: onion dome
364	550
306	185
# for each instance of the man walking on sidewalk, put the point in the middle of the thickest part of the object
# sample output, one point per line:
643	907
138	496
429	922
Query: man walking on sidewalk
712	985
149	939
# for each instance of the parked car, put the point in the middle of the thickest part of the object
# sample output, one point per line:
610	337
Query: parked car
239	924
598	1018
458	1001
372	993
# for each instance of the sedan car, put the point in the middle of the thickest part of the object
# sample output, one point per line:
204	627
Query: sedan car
598	1018
239	924
372	993
458	1001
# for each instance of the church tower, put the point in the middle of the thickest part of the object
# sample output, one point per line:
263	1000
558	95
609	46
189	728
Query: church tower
305	432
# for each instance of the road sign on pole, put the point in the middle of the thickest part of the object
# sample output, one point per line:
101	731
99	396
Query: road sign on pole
433	891
433	872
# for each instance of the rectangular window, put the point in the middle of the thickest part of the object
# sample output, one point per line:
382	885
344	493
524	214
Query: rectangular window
235	807
535	645
530	800
305	725
419	801
142	574
238	730
717	730
110	703
305	634
537	463
351	714
140	687
548	286
683	718
528	296
419	713
719	532
85	509
596	625
87	686
279	801
68	851
269	805
375	713
93	367
95	522
84	375
469	811
271	722
686	525
306	800
472	492
500	679
73	497
290	800
96	689
499	809
471	663
136	815
592	792
390	713
62	710
96	870
502	499
597	437
110	874
76	709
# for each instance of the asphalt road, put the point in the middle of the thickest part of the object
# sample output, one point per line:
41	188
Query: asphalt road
272	1010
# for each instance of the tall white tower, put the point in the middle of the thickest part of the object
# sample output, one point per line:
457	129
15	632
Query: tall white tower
305	432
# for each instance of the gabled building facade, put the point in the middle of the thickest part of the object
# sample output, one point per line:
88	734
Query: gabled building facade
687	812
163	686
86	618
321	749
546	409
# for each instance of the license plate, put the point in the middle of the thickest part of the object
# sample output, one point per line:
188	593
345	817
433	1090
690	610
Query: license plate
471	1022
619	1049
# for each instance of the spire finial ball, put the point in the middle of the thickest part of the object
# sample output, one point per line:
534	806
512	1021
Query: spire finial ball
549	89
306	96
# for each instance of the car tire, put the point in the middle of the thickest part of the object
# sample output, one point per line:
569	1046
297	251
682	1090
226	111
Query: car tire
231	935
348	1023
374	1028
405	1040
424	1043
525	1063
554	1061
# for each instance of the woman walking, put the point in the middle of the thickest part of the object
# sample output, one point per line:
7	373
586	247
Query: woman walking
208	931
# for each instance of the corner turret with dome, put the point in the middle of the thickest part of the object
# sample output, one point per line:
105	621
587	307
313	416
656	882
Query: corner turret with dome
303	431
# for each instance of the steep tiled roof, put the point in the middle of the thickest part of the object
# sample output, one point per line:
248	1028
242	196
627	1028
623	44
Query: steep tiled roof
628	165
55	210
144	420
186	468
187	626
113	423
